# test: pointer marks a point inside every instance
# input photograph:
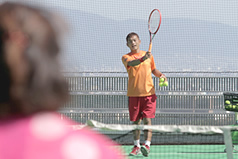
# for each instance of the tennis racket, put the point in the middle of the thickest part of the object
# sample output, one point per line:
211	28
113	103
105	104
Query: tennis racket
153	24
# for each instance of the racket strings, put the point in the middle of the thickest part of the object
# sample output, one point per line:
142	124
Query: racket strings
154	21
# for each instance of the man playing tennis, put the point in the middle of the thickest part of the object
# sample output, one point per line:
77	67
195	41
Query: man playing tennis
141	92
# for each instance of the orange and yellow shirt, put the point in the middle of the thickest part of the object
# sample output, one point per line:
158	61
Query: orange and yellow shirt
140	81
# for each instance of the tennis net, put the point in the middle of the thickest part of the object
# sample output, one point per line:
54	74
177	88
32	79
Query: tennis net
176	141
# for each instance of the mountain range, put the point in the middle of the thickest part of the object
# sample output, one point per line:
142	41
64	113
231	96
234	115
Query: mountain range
96	44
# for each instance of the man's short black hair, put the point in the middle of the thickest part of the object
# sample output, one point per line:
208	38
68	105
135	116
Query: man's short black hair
130	35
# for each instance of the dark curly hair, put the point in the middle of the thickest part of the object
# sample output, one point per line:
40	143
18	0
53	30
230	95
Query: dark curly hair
35	83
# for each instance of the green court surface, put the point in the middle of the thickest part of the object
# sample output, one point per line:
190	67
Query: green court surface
183	152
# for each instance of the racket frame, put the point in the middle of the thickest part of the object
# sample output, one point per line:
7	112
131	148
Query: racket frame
153	34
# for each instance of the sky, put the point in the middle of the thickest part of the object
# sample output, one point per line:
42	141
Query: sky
212	10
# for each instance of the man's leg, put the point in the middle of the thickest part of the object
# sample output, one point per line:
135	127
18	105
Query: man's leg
147	133
136	133
136	136
145	149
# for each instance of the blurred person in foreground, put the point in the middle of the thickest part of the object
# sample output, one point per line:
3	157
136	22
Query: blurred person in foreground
33	89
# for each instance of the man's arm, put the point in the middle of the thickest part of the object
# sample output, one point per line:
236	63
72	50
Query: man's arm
140	60
157	73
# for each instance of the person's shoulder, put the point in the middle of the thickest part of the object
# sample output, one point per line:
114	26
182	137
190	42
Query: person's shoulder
127	54
70	138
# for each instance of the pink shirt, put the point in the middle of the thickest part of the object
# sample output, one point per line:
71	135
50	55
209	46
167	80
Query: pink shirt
46	136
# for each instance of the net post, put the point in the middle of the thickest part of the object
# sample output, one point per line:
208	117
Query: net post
228	142
236	116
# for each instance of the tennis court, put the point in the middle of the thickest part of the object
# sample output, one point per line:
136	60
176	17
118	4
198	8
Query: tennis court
200	142
184	151
200	103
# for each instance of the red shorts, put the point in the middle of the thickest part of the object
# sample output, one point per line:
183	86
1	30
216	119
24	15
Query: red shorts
142	107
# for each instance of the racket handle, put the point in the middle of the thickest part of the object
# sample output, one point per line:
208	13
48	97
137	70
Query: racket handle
150	47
